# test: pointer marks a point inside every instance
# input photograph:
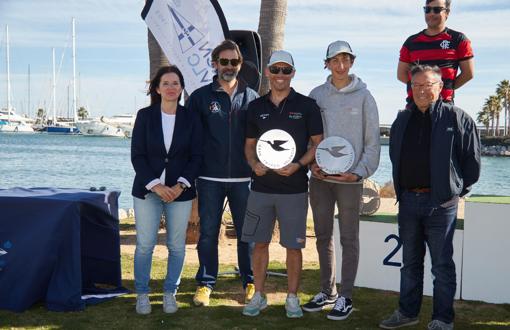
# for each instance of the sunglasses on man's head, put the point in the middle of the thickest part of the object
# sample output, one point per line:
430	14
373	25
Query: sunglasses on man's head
435	10
286	70
233	61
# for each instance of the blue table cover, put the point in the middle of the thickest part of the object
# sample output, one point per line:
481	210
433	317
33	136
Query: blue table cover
56	243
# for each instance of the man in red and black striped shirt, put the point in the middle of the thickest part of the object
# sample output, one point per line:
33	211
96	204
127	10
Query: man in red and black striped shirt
438	45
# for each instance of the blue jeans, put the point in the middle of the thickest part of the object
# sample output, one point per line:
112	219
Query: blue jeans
421	223
211	196
147	218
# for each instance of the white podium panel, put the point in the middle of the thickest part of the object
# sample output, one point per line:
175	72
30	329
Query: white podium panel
380	257
486	267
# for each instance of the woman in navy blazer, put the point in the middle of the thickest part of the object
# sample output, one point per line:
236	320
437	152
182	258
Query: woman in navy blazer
166	153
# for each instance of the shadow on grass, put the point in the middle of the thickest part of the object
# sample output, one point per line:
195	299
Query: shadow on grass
226	306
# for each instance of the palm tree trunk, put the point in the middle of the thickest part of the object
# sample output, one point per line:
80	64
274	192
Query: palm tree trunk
272	32
157	58
497	124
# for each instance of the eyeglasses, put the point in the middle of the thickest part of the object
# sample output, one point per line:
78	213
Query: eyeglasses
435	10
424	86
286	70
226	61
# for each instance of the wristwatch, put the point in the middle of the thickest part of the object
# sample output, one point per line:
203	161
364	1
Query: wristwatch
182	185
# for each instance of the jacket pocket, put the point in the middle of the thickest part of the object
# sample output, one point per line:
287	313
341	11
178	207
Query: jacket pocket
456	181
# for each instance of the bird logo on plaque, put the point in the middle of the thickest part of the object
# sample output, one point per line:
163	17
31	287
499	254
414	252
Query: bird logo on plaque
276	149
334	155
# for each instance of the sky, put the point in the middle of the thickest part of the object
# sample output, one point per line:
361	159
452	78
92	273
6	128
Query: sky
113	64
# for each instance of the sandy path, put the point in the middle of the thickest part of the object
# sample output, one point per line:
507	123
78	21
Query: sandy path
227	253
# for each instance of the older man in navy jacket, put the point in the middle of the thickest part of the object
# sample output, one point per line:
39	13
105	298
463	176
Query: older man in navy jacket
435	152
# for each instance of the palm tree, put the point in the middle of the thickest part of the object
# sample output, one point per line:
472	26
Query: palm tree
503	92
484	118
272	31
41	116
157	58
493	105
82	113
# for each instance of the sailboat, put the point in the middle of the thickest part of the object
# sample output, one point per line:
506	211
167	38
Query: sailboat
64	127
9	121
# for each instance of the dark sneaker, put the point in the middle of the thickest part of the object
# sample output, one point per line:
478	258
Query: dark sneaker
341	310
398	320
439	325
319	301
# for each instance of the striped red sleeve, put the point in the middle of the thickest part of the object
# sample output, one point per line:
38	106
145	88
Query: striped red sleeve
405	54
464	51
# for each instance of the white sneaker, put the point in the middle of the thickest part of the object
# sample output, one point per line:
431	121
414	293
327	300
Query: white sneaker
143	305
169	303
256	304
292	307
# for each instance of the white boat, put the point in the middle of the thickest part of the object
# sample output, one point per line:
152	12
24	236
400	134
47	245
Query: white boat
95	127
124	121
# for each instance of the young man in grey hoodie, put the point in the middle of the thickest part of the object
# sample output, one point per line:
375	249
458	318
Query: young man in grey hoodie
349	111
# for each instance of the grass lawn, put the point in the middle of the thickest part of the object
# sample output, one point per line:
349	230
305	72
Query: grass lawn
225	309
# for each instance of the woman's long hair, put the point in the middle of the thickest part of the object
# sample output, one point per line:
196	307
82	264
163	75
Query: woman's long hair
155	97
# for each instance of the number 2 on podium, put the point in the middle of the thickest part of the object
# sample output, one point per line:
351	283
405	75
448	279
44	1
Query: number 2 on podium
386	261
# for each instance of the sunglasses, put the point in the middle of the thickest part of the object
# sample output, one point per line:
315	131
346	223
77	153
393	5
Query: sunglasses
286	70
435	10
226	61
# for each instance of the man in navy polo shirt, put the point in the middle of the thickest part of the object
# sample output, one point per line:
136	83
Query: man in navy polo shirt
280	193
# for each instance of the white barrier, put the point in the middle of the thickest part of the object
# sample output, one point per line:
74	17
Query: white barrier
486	266
381	256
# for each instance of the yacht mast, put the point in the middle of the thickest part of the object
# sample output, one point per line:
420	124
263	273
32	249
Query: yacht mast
75	108
53	90
8	75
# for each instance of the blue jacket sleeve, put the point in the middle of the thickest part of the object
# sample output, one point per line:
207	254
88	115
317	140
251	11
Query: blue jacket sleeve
470	159
139	149
192	169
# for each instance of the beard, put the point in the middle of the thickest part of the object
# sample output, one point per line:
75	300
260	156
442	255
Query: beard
228	75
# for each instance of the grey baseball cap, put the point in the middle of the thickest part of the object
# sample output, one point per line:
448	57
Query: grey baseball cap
338	47
281	56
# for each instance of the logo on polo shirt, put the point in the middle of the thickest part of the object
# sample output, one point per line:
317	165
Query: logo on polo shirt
449	129
215	107
295	115
264	115
445	44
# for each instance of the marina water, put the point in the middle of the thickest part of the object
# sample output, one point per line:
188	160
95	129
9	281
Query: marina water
66	161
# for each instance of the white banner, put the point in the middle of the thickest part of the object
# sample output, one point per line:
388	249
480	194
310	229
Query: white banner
187	32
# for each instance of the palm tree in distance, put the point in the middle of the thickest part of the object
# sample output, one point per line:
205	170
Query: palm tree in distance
82	113
503	92
272	31
493	107
484	118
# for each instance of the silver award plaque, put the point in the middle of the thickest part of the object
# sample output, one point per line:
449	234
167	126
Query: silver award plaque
276	148
334	155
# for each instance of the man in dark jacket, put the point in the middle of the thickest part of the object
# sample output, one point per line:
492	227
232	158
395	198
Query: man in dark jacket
225	173
435	152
